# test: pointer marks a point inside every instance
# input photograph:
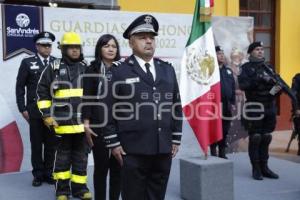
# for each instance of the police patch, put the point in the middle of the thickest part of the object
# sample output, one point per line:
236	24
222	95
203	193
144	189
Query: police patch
229	71
34	66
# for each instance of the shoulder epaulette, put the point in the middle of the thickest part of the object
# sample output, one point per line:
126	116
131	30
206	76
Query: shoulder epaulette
117	63
29	56
228	68
55	64
165	62
84	62
245	65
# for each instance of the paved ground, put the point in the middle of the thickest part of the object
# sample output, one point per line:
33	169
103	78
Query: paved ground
17	186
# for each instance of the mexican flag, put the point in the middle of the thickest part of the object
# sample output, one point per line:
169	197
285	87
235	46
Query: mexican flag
200	79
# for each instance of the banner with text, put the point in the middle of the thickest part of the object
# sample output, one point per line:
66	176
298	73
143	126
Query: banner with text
19	25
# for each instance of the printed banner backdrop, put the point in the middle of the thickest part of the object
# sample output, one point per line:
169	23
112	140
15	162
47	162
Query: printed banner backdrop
20	24
91	24
235	41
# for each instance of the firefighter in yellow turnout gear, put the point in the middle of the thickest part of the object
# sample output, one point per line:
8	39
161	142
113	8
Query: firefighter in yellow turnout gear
59	96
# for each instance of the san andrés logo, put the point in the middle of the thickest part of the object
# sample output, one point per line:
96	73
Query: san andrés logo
22	21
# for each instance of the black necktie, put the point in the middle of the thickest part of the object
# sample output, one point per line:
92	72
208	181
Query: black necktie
45	62
149	74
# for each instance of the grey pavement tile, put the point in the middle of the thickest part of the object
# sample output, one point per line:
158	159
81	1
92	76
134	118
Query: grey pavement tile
17	186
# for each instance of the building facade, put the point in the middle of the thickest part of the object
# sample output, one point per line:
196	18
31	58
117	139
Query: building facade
276	23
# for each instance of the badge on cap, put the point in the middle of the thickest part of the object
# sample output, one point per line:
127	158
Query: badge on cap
143	24
148	19
44	38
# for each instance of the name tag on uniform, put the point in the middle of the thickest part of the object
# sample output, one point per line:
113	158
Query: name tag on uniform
132	80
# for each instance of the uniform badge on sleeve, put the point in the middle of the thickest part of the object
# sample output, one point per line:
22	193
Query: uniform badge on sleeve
229	71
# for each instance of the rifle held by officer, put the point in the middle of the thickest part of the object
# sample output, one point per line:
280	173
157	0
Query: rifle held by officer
279	81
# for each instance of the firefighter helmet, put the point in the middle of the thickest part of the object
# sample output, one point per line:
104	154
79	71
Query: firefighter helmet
70	38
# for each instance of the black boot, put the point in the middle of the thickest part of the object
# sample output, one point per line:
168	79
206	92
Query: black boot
254	143
256	171
222	152
266	172
213	149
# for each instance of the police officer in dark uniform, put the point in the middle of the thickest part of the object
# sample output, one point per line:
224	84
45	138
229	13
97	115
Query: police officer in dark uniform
42	141
145	131
228	102
296	117
260	110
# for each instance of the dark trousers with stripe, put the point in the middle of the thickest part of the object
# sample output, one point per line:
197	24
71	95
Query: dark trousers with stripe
104	162
72	154
42	149
145	177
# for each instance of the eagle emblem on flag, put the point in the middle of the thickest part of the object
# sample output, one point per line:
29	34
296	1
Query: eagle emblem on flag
200	66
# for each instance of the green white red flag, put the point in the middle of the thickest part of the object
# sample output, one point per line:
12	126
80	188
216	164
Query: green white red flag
200	79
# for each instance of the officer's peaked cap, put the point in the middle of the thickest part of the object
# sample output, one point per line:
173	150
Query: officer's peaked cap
253	45
218	48
44	38
143	24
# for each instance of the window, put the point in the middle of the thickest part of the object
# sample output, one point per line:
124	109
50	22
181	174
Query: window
263	12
